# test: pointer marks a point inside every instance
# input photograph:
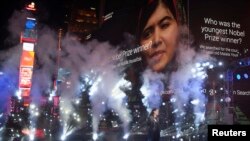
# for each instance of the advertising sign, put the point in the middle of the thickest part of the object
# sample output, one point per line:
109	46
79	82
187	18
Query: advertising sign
27	58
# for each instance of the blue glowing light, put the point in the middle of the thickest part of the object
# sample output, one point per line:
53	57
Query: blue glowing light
30	24
246	76
238	76
240	63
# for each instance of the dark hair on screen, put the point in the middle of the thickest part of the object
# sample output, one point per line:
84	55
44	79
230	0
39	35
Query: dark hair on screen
148	9
176	7
178	10
152	111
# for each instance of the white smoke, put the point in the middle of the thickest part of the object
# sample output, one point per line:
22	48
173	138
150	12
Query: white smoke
8	78
9	62
152	89
106	92
92	62
117	102
81	60
45	65
187	83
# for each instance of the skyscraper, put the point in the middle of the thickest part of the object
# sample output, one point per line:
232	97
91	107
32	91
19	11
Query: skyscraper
83	19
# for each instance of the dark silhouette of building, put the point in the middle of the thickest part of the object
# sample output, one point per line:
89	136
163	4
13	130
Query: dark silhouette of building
82	19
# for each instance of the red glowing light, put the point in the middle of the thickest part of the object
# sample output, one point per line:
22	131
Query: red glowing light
31	6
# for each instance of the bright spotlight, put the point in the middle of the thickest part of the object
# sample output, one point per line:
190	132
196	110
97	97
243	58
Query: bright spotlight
195	101
18	94
246	76
198	65
240	63
32	137
211	66
238	76
95	136
126	136
220	63
221	76
32	106
63	137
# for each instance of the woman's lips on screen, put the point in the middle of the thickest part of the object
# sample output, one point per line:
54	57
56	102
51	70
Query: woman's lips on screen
156	56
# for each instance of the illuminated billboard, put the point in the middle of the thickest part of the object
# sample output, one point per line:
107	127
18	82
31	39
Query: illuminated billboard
27	59
30	32
25	92
28	46
26	70
25	77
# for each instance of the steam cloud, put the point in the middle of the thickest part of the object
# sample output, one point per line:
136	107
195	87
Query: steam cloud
186	82
81	61
152	89
185	85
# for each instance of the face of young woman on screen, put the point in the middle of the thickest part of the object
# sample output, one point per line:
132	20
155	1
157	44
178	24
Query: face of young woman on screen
162	29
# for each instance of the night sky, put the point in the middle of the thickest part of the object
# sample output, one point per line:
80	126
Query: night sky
50	13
